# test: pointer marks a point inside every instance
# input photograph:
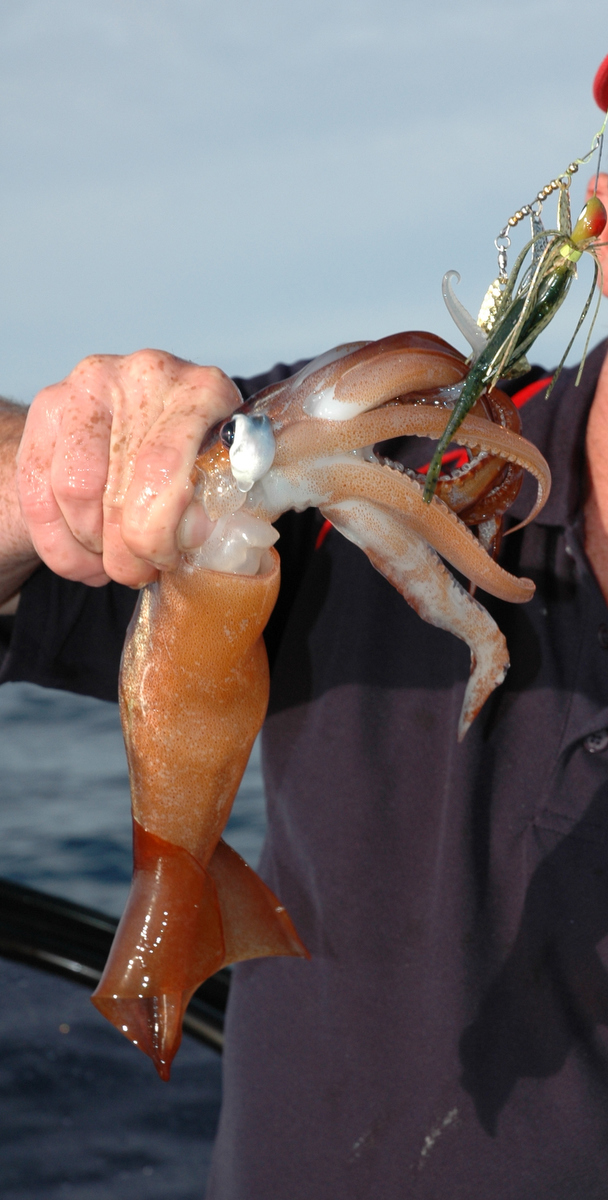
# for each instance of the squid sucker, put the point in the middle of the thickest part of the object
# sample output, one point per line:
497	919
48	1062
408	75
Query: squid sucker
194	679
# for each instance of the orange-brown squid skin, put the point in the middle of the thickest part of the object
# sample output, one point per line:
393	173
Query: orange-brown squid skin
190	716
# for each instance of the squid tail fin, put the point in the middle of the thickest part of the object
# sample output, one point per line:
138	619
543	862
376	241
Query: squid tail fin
181	924
255	924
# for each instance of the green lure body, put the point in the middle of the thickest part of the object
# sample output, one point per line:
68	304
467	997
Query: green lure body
522	319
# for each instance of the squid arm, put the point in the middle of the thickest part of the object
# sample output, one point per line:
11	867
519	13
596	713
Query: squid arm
435	523
302	442
416	571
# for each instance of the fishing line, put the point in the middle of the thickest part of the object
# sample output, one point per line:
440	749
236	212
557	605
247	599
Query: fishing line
599	158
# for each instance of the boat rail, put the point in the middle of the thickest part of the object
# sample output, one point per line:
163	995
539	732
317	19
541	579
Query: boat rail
69	939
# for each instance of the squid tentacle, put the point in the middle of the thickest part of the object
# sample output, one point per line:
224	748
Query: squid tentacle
496	499
436	523
416	571
309	441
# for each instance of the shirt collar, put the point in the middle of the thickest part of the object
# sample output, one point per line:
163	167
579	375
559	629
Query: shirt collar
557	426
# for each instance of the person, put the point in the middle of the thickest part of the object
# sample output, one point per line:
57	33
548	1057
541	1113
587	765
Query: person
448	1037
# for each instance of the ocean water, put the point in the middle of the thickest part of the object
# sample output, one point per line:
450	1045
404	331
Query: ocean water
82	1113
65	819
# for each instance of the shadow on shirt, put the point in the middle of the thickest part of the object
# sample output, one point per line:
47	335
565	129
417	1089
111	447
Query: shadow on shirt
553	988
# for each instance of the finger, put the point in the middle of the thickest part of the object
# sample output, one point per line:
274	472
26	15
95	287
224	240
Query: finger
120	562
80	460
34	459
194	527
59	549
160	489
51	537
145	380
148	381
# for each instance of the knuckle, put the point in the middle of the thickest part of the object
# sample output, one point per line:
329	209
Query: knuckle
158	461
36	501
127	568
138	540
77	478
219	382
148	362
150	544
35	511
92	363
215	375
77	486
66	560
141	543
89	372
43	400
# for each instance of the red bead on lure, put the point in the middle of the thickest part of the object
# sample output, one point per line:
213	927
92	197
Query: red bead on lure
591	222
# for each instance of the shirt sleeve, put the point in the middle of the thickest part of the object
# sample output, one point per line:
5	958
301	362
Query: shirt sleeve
67	635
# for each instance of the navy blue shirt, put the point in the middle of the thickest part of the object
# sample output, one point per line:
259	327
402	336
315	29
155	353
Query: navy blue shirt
448	1038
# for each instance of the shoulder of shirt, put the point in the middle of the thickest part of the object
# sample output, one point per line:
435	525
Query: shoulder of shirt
556	424
248	387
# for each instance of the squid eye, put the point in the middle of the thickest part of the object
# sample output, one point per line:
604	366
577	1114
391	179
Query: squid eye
227	433
251	450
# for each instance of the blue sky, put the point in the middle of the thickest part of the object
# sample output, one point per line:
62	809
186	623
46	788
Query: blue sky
249	181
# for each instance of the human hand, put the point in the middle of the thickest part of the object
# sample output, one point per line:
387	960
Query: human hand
104	465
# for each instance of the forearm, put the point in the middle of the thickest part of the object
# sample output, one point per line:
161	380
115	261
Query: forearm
17	556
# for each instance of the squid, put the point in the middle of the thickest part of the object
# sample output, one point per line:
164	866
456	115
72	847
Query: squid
194	677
